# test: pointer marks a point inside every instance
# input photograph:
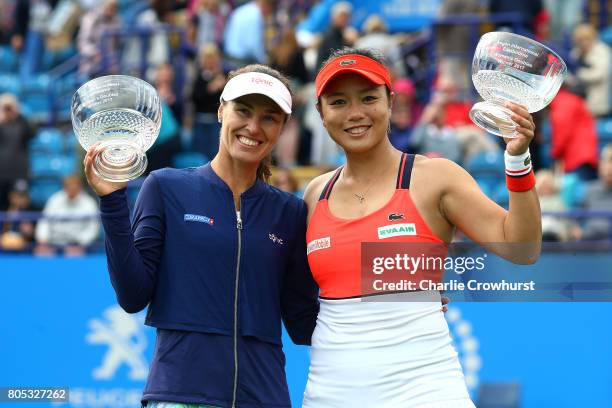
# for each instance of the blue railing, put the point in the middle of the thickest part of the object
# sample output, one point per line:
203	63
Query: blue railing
35	216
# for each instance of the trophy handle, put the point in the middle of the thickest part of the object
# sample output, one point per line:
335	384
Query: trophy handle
494	118
119	160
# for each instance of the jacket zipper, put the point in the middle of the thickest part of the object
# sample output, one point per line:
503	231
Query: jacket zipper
238	229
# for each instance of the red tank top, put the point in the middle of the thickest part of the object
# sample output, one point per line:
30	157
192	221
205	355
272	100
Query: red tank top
334	244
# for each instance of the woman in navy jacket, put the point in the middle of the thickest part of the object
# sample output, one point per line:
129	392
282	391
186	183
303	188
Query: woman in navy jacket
219	257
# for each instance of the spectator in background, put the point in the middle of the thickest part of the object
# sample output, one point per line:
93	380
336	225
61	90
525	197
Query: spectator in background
245	32
339	34
405	114
14	19
594	59
93	24
16	234
455	42
291	12
376	36
283	179
599	197
456	106
574	136
15	135
208	23
157	15
205	95
288	57
164	83
433	137
564	15
168	142
528	10
73	235
554	228
455	102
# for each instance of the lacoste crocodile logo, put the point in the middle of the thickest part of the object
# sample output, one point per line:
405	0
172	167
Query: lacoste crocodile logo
396	216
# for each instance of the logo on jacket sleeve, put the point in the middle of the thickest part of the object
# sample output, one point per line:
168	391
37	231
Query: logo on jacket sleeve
396	230
317	244
199	218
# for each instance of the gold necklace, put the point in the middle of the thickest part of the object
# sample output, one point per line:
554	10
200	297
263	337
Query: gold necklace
361	197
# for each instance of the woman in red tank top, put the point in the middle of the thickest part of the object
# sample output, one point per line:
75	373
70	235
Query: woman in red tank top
384	195
353	88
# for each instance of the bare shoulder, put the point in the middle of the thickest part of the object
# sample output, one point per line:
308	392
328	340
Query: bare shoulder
314	188
439	172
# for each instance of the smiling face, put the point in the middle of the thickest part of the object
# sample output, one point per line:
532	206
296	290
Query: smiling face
251	126
355	112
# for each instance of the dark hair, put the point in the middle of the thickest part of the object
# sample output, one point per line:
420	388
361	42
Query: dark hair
366	52
263	170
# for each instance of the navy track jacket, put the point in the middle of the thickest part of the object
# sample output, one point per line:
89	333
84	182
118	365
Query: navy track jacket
217	284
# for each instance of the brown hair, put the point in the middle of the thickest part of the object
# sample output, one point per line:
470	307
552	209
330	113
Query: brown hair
282	53
263	170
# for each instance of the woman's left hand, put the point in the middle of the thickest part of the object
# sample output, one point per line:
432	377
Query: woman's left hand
526	127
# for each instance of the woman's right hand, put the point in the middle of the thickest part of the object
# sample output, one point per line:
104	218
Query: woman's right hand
97	183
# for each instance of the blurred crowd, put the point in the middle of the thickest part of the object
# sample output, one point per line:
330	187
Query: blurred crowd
432	86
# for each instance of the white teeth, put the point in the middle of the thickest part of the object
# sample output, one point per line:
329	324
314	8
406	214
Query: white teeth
357	130
247	141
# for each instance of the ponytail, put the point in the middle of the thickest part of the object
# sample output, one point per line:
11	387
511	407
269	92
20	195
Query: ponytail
263	170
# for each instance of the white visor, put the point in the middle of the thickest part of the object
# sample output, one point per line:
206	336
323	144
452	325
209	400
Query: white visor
258	83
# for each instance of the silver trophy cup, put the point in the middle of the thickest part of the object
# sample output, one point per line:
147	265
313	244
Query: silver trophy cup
123	113
510	67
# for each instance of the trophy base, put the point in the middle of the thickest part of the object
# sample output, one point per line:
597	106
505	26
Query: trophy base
119	161
494	118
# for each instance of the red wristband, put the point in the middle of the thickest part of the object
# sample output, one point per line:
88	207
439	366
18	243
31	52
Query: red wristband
521	183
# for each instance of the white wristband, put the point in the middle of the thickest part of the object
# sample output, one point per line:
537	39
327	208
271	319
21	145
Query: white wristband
517	165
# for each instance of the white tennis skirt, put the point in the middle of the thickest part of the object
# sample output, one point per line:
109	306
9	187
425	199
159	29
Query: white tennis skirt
374	353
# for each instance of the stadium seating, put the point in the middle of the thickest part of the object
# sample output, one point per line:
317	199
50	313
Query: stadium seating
604	132
606	36
189	159
10	83
53	58
55	166
9	61
47	140
53	156
41	190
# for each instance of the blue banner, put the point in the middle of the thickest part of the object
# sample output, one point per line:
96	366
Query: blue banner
61	327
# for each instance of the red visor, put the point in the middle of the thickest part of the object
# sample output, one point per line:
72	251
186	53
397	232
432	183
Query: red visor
352	63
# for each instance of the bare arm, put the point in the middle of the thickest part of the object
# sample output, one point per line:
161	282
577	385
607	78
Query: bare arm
465	206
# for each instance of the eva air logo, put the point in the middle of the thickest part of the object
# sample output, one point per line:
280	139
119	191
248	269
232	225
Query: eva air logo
396	230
